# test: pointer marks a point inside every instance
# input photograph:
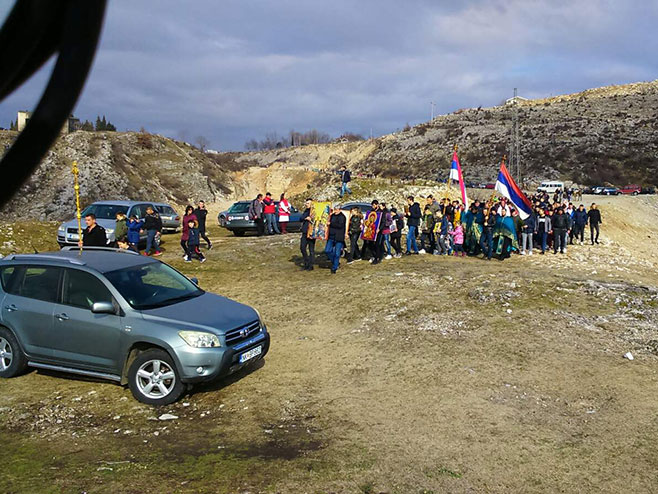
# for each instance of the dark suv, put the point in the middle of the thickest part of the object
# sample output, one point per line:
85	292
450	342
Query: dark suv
123	317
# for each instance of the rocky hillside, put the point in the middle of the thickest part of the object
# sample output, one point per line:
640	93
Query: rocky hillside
601	135
127	165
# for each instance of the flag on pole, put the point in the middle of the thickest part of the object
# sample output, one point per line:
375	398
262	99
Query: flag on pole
507	187
456	174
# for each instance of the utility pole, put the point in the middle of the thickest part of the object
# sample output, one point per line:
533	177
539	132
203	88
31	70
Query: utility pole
432	105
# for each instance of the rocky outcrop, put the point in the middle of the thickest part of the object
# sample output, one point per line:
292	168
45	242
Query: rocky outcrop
114	165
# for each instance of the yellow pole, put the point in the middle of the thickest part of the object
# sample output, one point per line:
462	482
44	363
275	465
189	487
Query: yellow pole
76	187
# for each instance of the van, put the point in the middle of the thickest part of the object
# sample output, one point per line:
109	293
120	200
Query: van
550	187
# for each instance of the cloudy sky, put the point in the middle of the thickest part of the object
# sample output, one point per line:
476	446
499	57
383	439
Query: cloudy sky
238	69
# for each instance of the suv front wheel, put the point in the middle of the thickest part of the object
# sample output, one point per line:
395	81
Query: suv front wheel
12	359
153	378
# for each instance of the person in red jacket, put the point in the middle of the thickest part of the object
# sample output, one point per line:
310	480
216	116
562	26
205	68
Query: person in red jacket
269	210
185	235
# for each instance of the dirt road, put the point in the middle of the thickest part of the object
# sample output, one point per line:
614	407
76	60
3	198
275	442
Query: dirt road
419	375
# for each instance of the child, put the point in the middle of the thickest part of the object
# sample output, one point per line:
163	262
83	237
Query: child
426	228
123	244
120	227
134	227
193	242
458	239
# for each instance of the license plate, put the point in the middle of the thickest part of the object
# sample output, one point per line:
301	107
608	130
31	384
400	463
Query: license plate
254	352
73	236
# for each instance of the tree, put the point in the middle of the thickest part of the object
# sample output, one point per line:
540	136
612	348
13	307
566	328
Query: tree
201	143
13	125
99	124
251	145
87	125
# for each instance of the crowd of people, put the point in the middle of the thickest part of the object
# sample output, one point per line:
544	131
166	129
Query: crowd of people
492	229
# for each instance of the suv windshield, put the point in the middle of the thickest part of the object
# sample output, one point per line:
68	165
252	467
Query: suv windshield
105	211
152	285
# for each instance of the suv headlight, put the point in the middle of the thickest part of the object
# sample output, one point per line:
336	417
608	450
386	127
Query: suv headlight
199	339
61	229
109	231
260	319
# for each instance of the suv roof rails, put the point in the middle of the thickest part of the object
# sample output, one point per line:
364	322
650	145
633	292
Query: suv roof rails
99	249
12	257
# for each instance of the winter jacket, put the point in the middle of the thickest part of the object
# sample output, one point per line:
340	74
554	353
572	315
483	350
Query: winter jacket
133	231
193	234
594	216
268	206
185	235
305	224
255	209
458	235
428	222
152	222
385	225
530	224
399	222
560	222
544	224
355	224
414	215
580	217
337	227
120	230
345	176
284	211
201	218
489	221
95	237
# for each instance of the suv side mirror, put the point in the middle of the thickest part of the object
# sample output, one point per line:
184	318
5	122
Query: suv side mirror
195	281
103	308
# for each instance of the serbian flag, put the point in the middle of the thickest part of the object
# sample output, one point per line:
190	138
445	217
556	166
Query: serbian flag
508	188
456	175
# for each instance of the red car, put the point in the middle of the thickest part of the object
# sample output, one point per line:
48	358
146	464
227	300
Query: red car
631	189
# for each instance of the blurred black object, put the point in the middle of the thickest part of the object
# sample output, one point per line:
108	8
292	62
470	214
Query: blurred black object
32	33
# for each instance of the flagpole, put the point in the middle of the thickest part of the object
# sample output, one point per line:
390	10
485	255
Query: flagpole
76	188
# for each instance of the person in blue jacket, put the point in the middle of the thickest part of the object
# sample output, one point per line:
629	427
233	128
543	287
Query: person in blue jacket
579	223
134	227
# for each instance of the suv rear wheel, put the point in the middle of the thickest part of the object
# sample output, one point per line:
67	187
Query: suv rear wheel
153	378
12	359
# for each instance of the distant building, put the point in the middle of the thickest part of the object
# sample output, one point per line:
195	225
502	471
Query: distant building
23	117
515	100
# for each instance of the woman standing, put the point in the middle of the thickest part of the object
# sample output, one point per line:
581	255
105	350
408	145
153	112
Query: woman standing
185	235
284	213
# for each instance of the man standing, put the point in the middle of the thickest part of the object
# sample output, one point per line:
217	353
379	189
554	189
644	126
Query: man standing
336	240
594	217
201	212
413	220
269	209
94	235
579	222
307	245
152	225
560	228
256	214
345	179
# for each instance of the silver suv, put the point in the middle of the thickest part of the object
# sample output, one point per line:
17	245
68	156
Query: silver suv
123	317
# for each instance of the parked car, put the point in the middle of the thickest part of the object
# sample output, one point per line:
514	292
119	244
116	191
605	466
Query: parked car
222	217
631	189
607	191
489	186
170	218
238	222
123	317
105	212
365	207
648	190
